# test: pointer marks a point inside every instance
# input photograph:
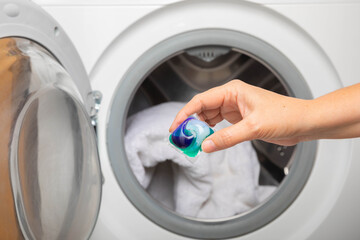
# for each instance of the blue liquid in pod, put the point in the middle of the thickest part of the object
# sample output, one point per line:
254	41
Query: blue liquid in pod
189	135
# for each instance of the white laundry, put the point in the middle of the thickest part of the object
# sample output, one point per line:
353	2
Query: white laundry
219	184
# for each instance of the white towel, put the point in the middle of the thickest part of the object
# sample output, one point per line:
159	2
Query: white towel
220	184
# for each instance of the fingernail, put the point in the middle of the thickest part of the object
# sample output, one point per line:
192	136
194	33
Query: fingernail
208	146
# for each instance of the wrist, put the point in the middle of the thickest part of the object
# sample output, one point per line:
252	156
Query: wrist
317	119
308	122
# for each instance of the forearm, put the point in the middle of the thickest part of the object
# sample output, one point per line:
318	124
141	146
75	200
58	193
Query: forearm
334	115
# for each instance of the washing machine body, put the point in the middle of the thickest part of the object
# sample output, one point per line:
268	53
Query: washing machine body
311	47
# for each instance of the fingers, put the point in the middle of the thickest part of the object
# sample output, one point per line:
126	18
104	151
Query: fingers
228	137
208	114
211	117
215	120
209	100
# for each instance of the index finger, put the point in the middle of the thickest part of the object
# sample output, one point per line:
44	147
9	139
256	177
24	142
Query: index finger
211	99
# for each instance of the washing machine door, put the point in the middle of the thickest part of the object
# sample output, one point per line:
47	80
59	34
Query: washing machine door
50	179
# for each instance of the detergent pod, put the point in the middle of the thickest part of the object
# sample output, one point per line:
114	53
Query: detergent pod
189	135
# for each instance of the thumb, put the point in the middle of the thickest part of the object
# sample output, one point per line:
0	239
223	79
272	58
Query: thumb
227	137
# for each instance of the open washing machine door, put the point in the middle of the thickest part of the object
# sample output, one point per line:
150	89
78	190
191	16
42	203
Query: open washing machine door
50	179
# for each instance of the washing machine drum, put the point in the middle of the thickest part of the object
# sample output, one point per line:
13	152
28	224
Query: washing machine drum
50	181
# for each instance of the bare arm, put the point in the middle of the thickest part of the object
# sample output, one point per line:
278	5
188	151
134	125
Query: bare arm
336	115
260	114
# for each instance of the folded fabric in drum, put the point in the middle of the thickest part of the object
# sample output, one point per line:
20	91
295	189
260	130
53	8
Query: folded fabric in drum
219	184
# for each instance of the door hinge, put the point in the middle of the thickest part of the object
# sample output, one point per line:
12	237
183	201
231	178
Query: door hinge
97	97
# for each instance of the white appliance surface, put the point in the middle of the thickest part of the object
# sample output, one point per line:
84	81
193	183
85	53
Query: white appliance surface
327	208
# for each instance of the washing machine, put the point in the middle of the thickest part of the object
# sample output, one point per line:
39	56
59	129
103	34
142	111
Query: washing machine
74	71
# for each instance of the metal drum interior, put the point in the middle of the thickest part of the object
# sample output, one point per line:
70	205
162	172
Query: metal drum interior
191	71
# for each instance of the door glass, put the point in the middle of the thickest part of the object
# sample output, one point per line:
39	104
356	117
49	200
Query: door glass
52	152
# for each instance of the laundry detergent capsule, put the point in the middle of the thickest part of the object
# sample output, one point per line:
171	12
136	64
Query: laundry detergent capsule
189	135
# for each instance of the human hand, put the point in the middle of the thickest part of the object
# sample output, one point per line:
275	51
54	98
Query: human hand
254	112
